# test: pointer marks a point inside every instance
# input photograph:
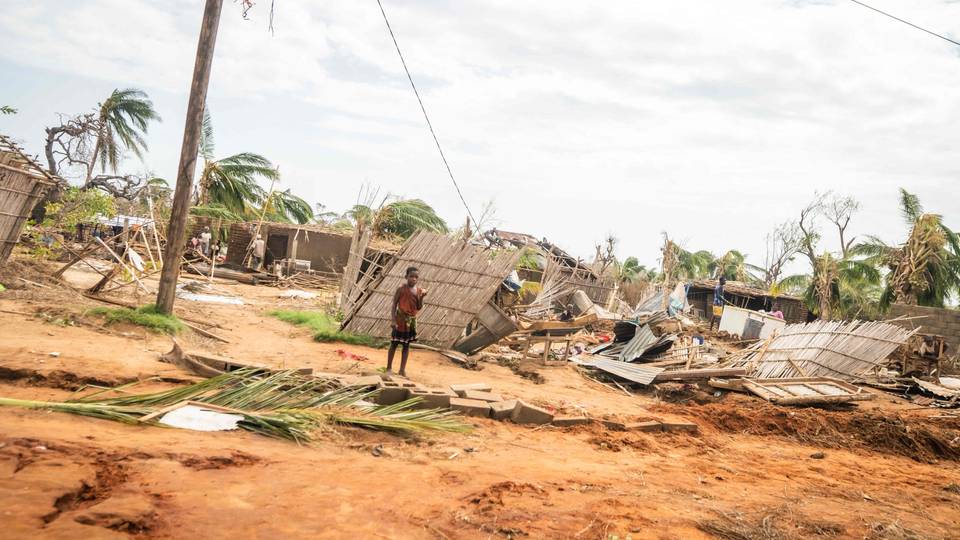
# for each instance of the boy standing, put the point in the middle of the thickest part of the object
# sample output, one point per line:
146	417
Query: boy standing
407	302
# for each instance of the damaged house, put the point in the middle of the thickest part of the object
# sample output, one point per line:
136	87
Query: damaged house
700	298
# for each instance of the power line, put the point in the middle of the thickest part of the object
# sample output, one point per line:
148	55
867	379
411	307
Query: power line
425	117
945	38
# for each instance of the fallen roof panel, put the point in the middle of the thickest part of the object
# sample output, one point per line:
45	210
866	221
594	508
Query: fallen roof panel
637	373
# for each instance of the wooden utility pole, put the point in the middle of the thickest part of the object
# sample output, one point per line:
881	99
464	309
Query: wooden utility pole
177	230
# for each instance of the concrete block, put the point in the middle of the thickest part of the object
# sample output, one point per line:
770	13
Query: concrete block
431	398
567	421
489	397
470	407
688	427
614	425
647	426
369	380
503	409
529	414
459	389
391	392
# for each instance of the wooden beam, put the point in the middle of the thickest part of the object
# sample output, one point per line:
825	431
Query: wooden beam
177	230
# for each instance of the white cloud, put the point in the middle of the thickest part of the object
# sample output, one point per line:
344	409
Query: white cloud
710	120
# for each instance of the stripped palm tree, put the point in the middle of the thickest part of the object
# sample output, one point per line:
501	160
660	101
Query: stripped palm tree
845	288
925	269
122	123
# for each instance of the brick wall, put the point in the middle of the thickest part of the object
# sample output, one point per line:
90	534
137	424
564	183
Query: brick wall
943	322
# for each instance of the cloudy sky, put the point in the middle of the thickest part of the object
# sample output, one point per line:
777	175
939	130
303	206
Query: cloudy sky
710	120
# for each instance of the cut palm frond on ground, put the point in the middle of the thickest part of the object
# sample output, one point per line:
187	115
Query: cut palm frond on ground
284	404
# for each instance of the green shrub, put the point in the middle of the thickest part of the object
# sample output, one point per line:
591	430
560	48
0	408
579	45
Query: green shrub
146	316
325	327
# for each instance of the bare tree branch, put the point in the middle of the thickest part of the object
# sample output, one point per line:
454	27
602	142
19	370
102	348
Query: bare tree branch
783	243
838	210
126	187
808	226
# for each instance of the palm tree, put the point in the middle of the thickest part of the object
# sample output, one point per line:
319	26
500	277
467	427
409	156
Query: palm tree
734	267
632	271
693	265
284	206
845	288
400	218
231	182
122	124
925	269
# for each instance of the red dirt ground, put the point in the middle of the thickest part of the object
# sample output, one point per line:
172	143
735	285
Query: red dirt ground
887	470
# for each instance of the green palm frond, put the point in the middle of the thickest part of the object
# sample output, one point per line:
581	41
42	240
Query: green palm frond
286	207
216	211
233	181
125	118
405	217
282	404
206	148
910	207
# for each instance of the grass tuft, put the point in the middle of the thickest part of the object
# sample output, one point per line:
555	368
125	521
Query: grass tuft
146	316
325	327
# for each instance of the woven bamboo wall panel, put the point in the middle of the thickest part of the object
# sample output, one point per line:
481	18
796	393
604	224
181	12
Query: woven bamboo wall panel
844	350
461	278
19	192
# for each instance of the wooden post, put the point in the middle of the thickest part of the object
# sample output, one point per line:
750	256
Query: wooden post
248	257
177	230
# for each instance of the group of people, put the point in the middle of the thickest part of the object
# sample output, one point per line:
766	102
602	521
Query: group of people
203	244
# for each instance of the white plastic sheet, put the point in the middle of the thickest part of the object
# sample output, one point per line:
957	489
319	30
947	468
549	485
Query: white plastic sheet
200	419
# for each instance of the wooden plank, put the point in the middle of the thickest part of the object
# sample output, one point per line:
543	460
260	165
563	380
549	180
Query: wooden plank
781	391
695	374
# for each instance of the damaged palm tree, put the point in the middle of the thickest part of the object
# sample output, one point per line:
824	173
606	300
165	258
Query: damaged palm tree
925	269
284	405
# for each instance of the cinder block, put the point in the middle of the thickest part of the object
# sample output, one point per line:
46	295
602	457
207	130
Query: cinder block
470	407
567	421
529	414
369	380
430	398
489	397
502	409
648	426
459	389
688	427
391	393
614	424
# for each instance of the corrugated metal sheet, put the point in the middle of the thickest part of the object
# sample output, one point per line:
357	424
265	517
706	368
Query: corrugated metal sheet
641	341
637	373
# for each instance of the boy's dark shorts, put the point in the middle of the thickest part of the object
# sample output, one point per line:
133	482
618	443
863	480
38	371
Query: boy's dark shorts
408	336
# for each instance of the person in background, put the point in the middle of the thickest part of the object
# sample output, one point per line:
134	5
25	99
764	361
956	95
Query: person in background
215	249
717	301
407	302
718	291
259	250
205	238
